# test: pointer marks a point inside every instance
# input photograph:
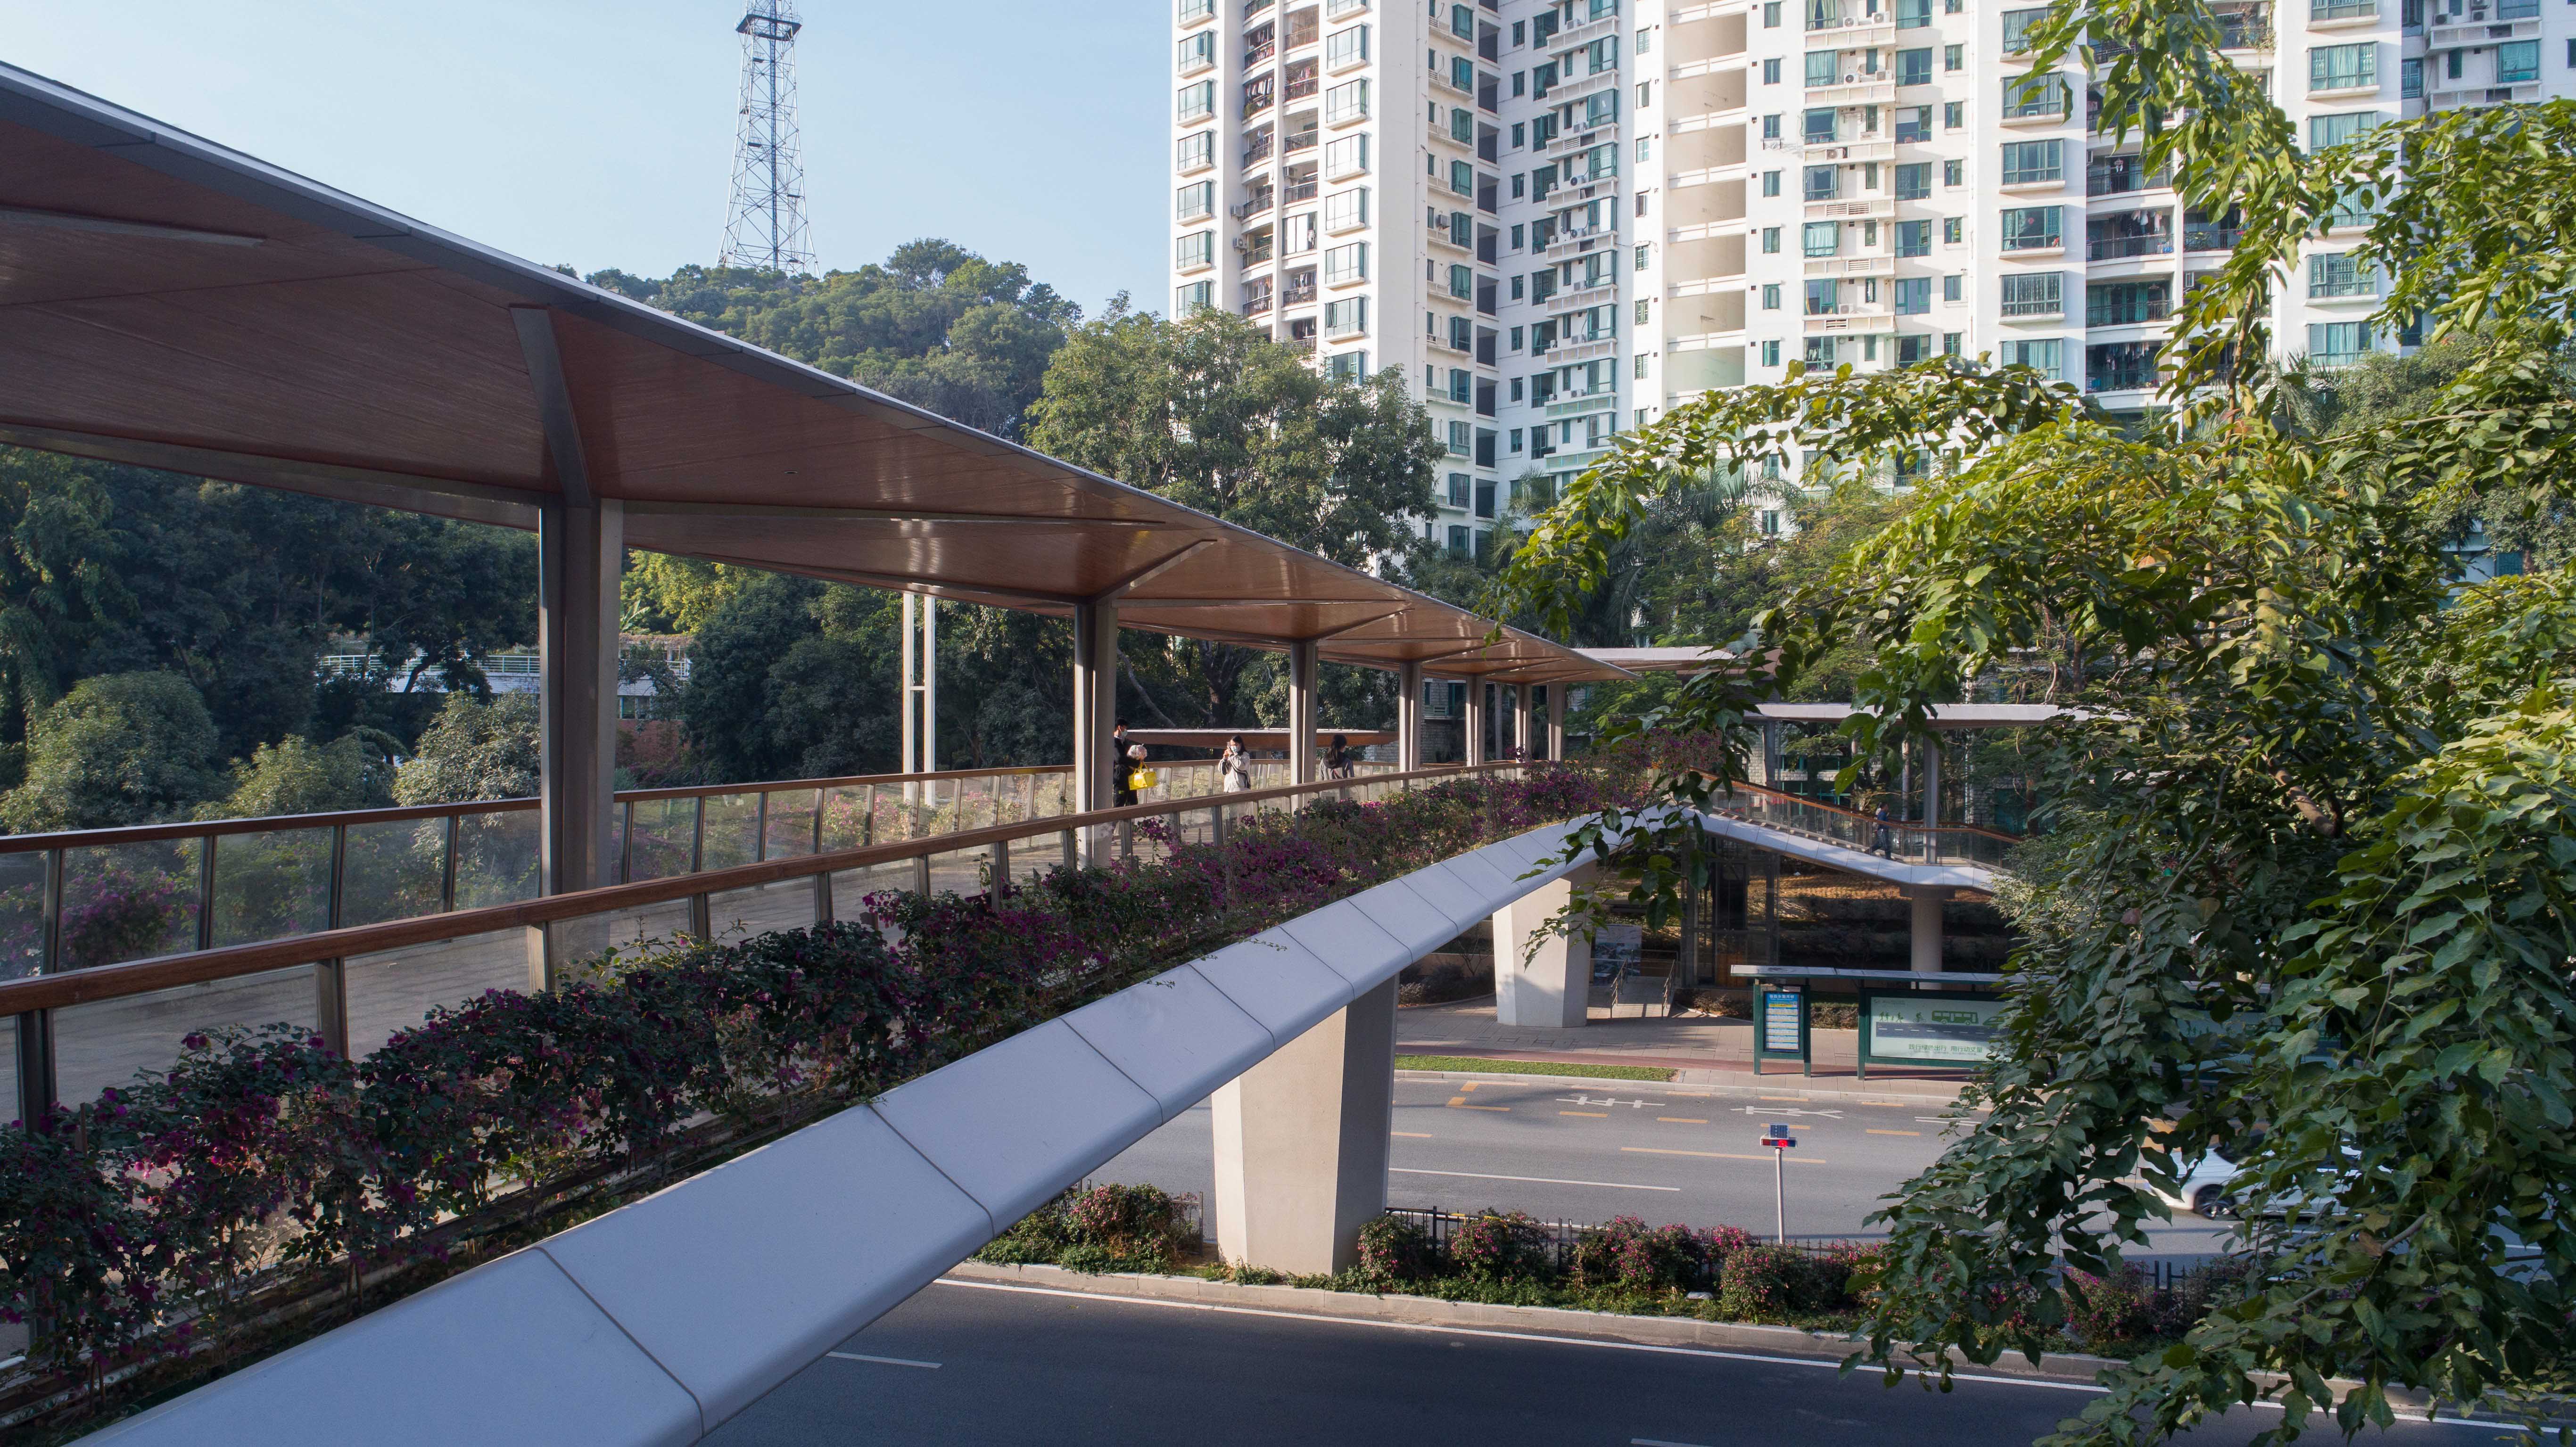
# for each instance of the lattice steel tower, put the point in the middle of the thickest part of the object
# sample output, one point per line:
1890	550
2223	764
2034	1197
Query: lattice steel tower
765	226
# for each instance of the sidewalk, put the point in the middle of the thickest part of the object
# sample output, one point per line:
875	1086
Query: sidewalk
1708	1050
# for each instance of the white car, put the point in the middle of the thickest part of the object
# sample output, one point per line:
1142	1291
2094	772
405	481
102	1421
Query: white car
2203	1188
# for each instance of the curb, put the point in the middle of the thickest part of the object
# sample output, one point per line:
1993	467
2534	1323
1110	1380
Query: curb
1657	1331
1780	1089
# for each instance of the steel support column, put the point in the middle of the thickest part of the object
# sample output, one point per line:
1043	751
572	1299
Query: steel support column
1095	706
1408	717
1473	750
580	551
1304	661
1556	721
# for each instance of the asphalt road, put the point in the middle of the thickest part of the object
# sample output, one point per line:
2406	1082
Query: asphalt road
1609	1148
999	1365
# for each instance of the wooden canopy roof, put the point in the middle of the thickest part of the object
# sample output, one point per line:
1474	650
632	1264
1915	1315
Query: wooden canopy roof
173	304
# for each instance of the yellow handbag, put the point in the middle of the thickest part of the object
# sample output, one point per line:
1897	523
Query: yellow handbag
1143	779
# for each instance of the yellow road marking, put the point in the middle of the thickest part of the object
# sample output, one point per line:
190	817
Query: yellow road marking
1718	1155
1413	1135
1682	1119
1894	1132
1462	1105
1593	1114
1781	1097
1470	1085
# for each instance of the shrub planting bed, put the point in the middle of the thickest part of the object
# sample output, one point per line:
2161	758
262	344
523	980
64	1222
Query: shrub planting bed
198	1215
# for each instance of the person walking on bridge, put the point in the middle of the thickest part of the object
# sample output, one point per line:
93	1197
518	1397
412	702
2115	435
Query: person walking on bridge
1884	840
1234	767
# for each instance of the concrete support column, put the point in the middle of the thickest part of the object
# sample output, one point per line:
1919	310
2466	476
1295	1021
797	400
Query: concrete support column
1473	751
1408	717
580	552
1301	1143
1556	720
1550	989
1095	710
920	697
1304	659
1924	928
1931	751
1522	737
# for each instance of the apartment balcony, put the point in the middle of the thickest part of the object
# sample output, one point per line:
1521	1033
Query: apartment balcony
2121	379
1301	140
1879	265
1260	54
1257	150
2472	97
1584	351
1603	401
1439	135
1584	299
1259	202
2477	29
1583	34
1258	305
1581	140
1877	90
1299	293
2122	248
1865	317
1857	33
1868	147
1863	208
1575	243
1578	89
2210	236
1442	236
2342	14
1296	191
2023	313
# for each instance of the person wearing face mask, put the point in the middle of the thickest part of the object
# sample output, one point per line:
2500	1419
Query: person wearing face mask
1234	767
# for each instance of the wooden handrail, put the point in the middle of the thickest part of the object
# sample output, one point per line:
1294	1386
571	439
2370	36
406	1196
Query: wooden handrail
196	967
1786	796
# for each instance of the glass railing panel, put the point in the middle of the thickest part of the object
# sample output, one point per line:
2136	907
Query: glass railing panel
959	871
22	920
1034	857
733	830
621	929
662	842
791	822
8	1067
271	884
496	858
392	870
760	909
128	902
851	887
395	990
106	1042
846	818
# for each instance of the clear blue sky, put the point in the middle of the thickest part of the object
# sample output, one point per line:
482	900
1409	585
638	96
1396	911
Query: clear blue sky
602	134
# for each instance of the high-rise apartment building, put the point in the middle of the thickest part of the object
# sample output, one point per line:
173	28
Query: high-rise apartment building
1624	203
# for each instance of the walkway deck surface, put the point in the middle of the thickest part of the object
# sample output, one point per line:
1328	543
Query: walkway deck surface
1711	1050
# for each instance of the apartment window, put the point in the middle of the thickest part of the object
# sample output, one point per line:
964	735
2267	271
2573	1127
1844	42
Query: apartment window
1822	238
1461	439
1770	128
2032	162
1336	9
1913	295
1913	14
1346	102
2517	61
1197	102
1462	385
1954	287
1462	177
1770	183
1517	283
1820	182
2344	67
1771	296
2341	9
2126	303
1770	240
1195	201
1346	47
1194	251
1770	14
1297	234
1645	255
1346	264
1819	125
1954	173
2334	130
1913	238
2046	356
1197	52
2337	344
1954	114
1516	238
1645	149
2337	274
1195	151
1462	74
1462	335
1462	22
1771	71
1459	485
1520	184
1346	210
2034	228
1193	296
1914	67
1348	156
1516	346
2410	74
1820	66
1913	180
1346	317
1771	350
1645	94
1643	303
1820	351
1954	57
1194	11
2031	293
2017	24
2029	96
1913	124
1462	283
1954	230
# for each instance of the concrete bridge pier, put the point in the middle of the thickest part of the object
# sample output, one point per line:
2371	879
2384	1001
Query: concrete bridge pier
1550	988
1924	926
1301	1143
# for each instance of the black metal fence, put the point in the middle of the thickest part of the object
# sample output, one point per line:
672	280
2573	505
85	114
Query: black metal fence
1560	1237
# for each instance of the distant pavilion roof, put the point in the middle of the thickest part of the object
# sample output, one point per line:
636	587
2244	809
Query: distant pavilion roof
177	305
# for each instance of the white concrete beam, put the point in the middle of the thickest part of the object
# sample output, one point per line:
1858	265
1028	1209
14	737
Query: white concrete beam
1301	1143
1541	983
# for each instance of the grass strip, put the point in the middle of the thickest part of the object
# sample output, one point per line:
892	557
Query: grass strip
1534	1067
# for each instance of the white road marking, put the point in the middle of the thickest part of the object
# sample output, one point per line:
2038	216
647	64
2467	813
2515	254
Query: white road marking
1612	1100
1828	1364
888	1361
1540	1180
1761	1110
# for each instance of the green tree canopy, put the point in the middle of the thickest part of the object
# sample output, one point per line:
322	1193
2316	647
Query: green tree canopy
122	748
298	776
474	750
2312	887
